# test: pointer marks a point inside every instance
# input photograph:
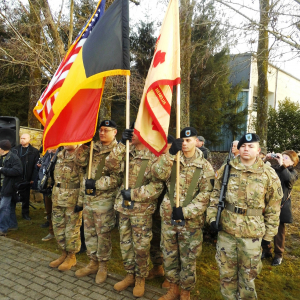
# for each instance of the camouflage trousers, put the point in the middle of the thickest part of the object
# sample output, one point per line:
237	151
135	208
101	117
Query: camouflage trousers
181	246
66	227
156	255
239	261
97	232
135	238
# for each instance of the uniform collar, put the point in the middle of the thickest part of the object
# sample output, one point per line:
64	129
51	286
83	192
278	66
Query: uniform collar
196	161
257	167
99	147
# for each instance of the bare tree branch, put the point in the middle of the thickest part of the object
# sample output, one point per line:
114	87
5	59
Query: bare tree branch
277	35
53	29
71	23
22	40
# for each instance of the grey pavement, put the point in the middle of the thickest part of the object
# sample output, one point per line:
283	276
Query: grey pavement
25	274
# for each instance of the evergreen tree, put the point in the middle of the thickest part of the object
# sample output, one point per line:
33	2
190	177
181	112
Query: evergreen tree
214	102
142	45
284	127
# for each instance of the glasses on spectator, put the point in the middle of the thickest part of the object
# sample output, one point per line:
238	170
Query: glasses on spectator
105	130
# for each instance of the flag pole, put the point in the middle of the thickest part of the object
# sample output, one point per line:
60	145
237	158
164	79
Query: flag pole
91	158
127	127
177	136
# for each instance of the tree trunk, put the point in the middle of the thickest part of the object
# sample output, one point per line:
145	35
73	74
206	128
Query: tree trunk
59	45
186	16
262	68
71	24
35	73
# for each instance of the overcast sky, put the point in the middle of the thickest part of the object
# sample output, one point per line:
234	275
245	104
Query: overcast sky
154	10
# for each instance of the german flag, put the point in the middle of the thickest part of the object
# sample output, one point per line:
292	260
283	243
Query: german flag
73	117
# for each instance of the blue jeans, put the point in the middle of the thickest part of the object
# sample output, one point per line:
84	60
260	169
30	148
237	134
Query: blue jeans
8	217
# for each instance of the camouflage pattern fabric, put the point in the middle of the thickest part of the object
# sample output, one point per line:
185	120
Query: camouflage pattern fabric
181	247
135	237
66	227
145	197
194	211
98	213
66	223
239	261
135	224
182	244
97	232
254	187
67	171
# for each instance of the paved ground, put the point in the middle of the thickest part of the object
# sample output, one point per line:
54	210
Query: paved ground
24	274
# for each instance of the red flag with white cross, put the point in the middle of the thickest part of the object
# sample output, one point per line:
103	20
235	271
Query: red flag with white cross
153	119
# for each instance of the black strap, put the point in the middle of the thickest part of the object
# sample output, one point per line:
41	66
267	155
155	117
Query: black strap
190	192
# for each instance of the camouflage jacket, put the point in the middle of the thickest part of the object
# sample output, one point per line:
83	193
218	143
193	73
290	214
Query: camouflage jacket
145	197
254	187
67	172
106	186
193	212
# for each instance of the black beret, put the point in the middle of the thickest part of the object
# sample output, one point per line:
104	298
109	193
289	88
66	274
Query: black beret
5	145
108	123
188	132
248	138
171	139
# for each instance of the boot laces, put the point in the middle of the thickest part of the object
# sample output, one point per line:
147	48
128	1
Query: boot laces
102	266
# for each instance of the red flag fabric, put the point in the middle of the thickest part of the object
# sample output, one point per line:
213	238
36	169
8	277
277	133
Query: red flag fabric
73	115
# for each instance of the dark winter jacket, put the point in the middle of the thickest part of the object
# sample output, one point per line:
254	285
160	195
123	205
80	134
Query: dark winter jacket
288	177
12	171
205	151
29	159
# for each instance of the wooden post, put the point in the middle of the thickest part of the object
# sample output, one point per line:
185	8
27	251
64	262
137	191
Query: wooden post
91	158
127	127
177	137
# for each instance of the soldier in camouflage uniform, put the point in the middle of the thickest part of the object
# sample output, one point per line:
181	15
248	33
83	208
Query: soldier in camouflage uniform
181	226
251	213
98	206
66	209
156	254
136	206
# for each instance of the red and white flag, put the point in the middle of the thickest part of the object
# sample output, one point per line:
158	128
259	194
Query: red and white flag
153	119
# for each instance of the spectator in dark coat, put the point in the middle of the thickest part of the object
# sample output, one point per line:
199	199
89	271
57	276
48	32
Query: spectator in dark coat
10	173
29	157
287	161
47	194
200	144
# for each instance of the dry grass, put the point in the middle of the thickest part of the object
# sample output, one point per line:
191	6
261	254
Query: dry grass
276	283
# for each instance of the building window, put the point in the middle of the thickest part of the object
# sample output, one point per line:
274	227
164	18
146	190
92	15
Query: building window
254	103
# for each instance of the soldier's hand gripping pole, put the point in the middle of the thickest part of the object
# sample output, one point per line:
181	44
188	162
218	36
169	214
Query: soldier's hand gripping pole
222	198
90	190
177	222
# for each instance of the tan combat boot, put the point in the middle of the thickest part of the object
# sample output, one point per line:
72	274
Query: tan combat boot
156	271
172	294
185	295
91	268
102	272
139	288
69	262
59	261
125	283
166	284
